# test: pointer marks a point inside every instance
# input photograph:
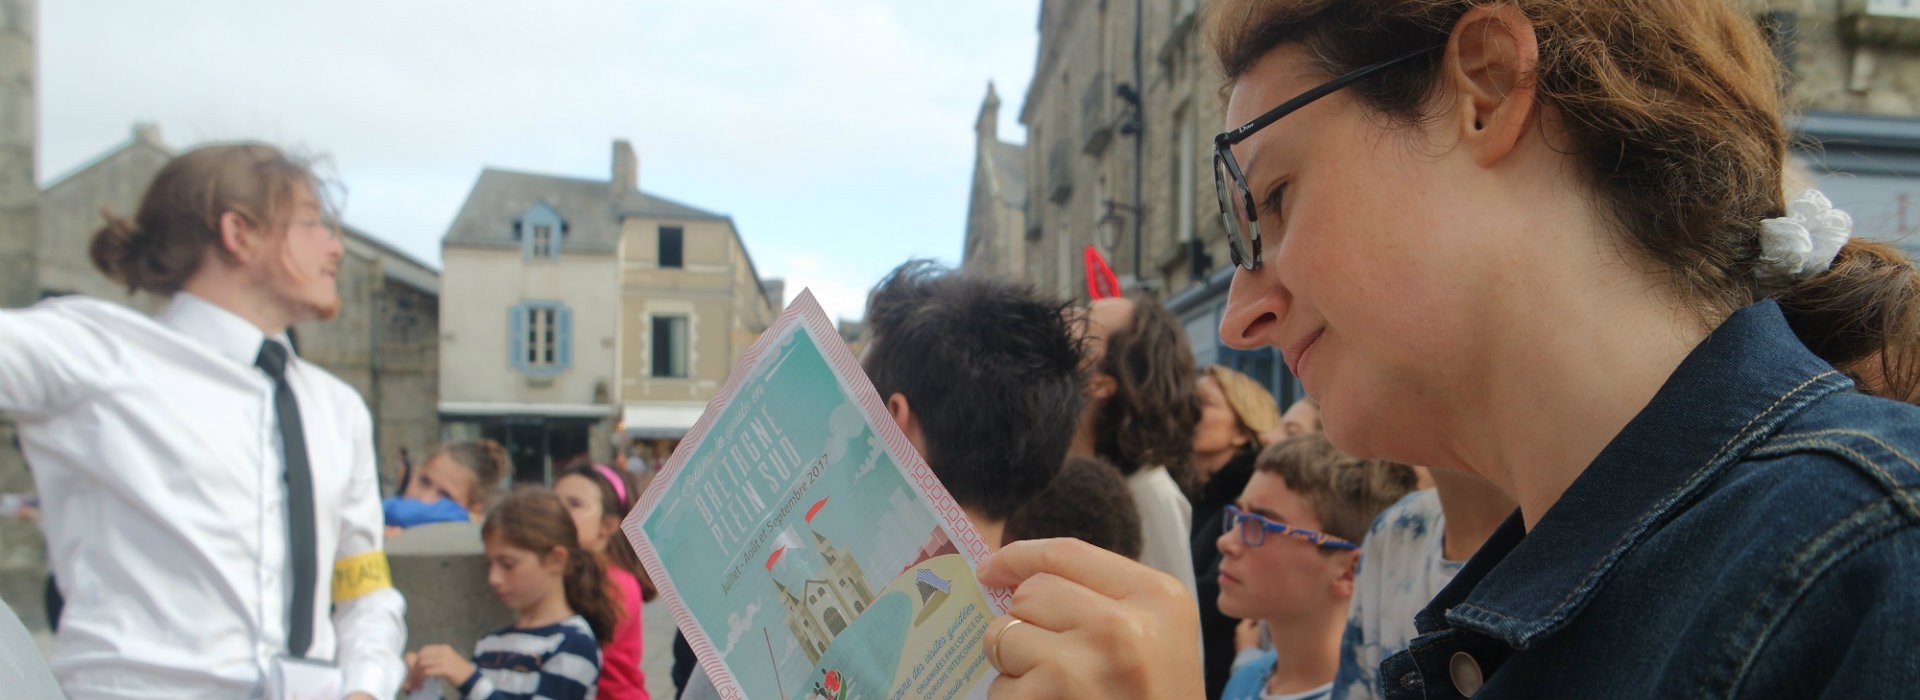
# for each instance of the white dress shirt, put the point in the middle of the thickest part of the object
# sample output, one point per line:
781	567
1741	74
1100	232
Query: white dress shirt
155	448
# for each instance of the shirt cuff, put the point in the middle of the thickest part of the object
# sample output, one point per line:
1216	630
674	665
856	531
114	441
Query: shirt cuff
376	679
472	684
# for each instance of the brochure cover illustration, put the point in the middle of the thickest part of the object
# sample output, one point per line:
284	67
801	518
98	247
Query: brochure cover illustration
803	545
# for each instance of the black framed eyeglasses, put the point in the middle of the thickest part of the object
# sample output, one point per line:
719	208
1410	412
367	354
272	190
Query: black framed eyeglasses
1237	206
1254	528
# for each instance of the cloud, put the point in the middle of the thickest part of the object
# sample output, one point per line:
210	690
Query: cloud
874	452
739	623
843	426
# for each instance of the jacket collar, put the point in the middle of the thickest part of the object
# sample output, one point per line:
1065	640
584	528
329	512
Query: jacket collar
1741	383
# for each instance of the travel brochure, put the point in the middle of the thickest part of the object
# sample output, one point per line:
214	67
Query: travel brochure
804	547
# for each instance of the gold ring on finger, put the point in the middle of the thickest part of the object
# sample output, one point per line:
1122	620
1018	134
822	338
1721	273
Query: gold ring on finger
993	650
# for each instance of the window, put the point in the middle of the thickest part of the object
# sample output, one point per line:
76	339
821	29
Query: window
541	338
672	246
541	231
543	241
670	346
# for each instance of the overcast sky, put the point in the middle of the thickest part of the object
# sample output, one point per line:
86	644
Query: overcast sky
837	133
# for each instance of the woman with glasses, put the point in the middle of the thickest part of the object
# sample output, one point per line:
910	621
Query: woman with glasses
1289	547
1539	241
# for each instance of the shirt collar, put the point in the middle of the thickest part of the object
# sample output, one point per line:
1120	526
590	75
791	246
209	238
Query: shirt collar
220	330
1743	381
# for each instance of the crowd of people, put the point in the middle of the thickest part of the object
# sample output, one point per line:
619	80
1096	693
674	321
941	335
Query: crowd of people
1604	405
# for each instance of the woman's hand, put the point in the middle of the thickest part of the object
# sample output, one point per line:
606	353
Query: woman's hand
1088	623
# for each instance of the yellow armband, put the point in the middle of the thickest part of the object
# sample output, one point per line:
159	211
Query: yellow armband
360	574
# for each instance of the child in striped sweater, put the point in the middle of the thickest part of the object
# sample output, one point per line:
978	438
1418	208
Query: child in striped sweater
536	566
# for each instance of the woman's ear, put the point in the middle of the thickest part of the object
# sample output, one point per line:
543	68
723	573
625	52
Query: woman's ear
1489	70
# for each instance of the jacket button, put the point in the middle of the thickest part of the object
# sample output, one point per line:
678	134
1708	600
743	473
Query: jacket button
1466	673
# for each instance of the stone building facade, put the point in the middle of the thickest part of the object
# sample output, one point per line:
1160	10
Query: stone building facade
22	551
1855	67
997	206
583	316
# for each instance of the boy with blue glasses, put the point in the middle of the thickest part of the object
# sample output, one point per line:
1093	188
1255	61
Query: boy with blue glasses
1289	550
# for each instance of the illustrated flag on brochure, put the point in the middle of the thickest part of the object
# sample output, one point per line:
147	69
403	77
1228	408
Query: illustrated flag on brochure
803	546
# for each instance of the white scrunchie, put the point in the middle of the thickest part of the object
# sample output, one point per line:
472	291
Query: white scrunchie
1802	243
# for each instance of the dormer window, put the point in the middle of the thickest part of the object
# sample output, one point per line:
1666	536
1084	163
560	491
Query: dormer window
540	231
543	241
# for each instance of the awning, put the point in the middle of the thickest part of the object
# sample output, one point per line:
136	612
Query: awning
655	421
543	410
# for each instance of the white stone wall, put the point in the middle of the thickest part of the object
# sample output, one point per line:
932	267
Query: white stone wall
478	288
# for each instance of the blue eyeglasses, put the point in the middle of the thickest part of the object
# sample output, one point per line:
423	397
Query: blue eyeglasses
1253	531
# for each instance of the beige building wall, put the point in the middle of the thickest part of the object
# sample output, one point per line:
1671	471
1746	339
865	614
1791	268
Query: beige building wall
482	285
716	289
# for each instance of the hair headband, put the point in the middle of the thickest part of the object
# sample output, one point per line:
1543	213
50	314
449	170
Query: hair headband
619	486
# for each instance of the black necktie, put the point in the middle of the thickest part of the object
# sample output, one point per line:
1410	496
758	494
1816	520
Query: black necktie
299	479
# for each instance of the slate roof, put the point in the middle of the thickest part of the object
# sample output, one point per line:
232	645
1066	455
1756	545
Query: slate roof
592	214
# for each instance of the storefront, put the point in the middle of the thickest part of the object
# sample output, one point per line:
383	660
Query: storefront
539	438
650	432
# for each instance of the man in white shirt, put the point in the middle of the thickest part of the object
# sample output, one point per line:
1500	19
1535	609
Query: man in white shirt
1139	415
203	484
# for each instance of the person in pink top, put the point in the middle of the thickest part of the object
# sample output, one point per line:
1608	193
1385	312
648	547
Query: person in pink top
599	497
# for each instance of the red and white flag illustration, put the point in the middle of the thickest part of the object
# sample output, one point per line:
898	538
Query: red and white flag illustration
782	543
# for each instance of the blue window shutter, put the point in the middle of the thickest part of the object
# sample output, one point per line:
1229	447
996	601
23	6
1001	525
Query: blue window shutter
517	336
563	321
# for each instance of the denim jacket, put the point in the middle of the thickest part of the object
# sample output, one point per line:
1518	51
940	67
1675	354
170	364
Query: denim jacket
1753	533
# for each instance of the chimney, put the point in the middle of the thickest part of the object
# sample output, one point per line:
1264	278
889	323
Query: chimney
988	125
626	168
148	133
